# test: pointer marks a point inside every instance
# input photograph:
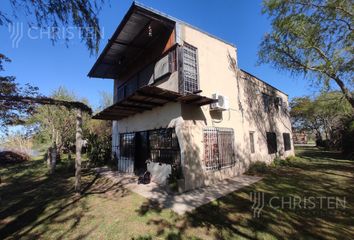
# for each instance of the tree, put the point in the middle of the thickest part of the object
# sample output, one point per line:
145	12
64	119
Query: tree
99	137
82	14
325	115
314	38
79	106
303	116
12	112
58	123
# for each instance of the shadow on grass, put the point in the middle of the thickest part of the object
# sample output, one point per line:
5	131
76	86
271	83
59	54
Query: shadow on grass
231	217
32	201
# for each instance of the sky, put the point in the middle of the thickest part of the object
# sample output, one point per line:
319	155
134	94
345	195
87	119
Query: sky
37	61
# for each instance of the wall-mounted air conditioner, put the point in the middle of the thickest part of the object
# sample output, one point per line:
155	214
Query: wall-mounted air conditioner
221	104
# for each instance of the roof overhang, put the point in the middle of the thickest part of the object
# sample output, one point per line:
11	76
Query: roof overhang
147	98
130	39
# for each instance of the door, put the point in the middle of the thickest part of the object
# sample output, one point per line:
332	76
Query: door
141	153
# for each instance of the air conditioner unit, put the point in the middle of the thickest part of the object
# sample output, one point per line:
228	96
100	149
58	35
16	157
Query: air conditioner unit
221	104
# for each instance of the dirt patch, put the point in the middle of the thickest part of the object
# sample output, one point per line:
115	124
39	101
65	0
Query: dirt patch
11	157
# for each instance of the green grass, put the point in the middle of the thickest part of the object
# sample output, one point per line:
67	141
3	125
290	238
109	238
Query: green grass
35	205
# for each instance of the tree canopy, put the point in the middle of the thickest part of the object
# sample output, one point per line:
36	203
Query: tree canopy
314	38
12	112
326	115
82	14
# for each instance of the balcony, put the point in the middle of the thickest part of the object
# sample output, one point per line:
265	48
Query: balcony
152	68
152	74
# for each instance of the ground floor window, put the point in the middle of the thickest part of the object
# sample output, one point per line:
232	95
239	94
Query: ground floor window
164	147
127	146
271	142
252	142
159	145
287	143
219	150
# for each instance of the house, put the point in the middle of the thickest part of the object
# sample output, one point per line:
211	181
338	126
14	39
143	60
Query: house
183	110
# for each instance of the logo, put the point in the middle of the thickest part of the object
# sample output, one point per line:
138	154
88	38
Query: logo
258	203
16	33
306	205
63	34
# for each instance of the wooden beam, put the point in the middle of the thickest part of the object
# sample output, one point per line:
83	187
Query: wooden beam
127	109
151	95
145	102
47	101
134	106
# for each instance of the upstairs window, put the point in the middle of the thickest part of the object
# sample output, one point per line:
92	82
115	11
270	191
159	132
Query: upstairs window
266	102
190	69
287	143
219	151
271	142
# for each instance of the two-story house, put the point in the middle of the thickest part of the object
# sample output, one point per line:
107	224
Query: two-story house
182	105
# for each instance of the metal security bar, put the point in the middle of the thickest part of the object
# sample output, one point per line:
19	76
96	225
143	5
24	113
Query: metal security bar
127	146
127	152
226	147
149	74
219	149
211	150
164	147
190	70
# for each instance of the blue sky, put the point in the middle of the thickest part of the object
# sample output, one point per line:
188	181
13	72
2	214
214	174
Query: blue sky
48	66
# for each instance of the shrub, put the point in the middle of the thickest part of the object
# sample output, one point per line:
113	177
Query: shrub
289	161
12	157
257	167
99	149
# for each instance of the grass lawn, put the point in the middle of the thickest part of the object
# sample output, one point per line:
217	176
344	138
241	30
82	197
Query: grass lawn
37	206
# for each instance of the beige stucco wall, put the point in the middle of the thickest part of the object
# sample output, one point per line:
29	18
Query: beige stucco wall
217	74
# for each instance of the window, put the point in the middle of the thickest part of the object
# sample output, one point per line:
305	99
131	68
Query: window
252	142
164	147
287	143
127	146
190	69
266	102
218	148
271	142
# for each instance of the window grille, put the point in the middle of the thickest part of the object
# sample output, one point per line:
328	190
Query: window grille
149	74
190	69
271	142
219	149
127	146
252	142
287	143
164	147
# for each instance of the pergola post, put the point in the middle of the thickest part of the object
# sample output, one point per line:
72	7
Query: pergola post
78	150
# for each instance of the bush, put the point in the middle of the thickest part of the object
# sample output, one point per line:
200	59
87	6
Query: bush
348	139
12	157
289	161
99	150
258	167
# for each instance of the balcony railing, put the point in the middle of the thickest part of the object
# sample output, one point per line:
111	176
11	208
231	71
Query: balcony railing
150	74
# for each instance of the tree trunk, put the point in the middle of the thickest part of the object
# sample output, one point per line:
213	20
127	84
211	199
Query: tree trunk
53	158
347	94
78	150
49	157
